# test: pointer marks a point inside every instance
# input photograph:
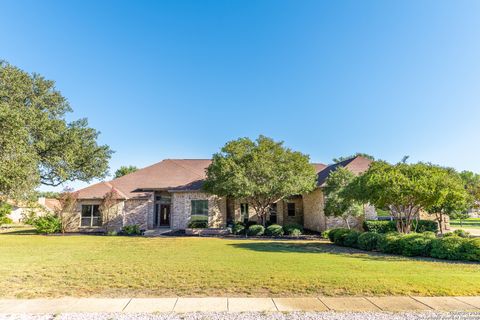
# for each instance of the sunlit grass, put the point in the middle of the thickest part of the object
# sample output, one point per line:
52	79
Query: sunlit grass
52	266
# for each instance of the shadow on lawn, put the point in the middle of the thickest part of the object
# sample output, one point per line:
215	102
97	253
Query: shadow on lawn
333	249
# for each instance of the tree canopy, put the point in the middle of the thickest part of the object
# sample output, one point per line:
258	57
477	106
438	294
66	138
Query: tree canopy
336	205
124	170
260	172
358	154
408	188
37	144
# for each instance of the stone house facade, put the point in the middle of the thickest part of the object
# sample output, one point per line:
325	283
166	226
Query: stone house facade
168	195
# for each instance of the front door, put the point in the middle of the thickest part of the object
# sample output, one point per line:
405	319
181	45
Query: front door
164	215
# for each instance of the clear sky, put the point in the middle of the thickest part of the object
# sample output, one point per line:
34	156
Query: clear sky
177	79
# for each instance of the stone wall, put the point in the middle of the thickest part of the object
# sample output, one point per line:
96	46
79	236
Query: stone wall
127	212
313	216
181	209
138	211
284	218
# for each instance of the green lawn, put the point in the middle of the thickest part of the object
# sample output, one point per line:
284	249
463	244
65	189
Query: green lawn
53	266
471	223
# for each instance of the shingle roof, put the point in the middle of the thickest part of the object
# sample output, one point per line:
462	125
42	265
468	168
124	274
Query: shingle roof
169	174
356	165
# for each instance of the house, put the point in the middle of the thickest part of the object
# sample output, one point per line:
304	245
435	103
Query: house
21	210
168	194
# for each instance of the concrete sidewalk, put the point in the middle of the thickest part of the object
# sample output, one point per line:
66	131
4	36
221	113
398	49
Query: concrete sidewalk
220	304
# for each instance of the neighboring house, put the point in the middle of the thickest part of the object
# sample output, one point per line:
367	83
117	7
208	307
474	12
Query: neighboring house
168	194
20	210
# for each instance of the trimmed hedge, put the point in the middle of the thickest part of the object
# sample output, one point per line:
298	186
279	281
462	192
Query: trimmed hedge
256	230
293	229
380	226
424	244
198	224
448	248
274	230
369	240
238	228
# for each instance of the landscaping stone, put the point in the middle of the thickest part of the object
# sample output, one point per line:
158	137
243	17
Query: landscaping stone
398	304
251	304
349	304
446	304
201	305
299	304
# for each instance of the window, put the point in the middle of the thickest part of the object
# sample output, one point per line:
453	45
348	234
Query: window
291	209
199	210
273	213
91	216
244	212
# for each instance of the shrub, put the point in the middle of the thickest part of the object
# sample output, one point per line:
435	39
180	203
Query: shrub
256	230
331	233
369	240
416	244
425	225
198	224
351	239
249	223
325	234
471	250
5	220
238	228
47	224
274	230
390	243
131	230
379	226
339	236
293	229
461	233
447	248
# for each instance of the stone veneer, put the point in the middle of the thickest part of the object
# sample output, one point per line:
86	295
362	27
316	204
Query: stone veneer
313	216
181	209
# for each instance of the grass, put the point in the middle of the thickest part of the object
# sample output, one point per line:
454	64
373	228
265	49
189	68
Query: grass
471	223
54	266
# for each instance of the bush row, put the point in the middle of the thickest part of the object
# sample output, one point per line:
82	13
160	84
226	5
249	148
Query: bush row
425	244
391	226
273	230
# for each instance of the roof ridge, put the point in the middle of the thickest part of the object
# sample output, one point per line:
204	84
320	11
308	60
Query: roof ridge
111	186
186	167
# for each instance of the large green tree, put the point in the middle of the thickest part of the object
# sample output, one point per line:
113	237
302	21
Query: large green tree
124	170
260	172
448	195
37	144
336	205
471	183
403	188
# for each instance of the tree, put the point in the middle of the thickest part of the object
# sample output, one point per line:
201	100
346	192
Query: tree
5	210
337	205
66	212
108	209
448	195
124	170
37	144
358	154
471	183
260	172
403	188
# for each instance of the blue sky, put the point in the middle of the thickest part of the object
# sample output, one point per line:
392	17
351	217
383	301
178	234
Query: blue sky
177	79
